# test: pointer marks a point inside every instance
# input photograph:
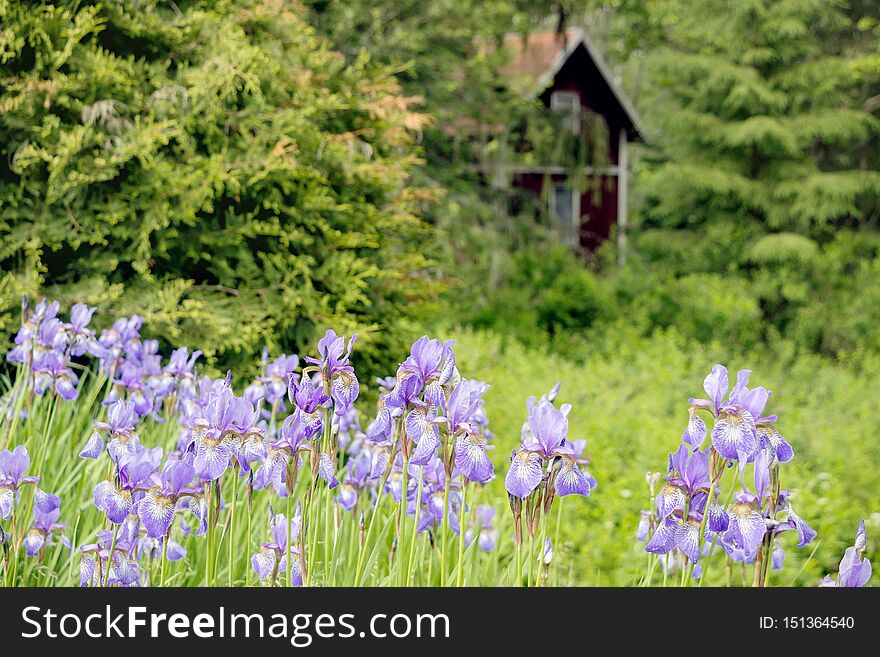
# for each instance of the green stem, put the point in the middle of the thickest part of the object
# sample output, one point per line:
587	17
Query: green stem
461	523
365	547
444	533
401	517
232	510
210	537
288	548
541	546
164	560
110	559
412	546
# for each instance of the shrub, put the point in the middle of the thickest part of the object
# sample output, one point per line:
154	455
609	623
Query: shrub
211	166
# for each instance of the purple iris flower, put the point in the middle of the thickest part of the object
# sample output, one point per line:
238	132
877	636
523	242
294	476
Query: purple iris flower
13	466
130	383
544	438
336	370
97	558
215	434
470	444
306	396
116	340
686	488
734	435
117	500
747	526
273	555
177	374
47	511
854	569
430	360
31	319
487	535
277	376
80	338
356	479
156	508
119	431
741	428
333	352
52	373
401	397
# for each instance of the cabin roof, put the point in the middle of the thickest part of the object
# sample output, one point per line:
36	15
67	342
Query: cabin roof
539	56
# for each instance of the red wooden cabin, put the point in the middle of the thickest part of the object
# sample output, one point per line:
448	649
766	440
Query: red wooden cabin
567	74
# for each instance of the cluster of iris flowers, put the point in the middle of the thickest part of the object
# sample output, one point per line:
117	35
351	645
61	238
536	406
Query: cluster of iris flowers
183	456
180	461
689	522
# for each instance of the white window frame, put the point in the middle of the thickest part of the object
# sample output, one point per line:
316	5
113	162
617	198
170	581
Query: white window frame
571	231
568	102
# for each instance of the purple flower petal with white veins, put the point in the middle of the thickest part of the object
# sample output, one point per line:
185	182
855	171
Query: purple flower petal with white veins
426	447
687	539
46	502
94	446
734	434
718	520
33	542
525	473
327	472
471	458
570	480
156	511
663	539
695	432
344	390
212	459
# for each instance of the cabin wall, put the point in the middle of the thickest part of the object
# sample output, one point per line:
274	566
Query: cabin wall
598	204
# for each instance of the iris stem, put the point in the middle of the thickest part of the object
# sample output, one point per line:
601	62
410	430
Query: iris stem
365	547
556	537
106	580
462	516
232	510
541	547
164	559
412	546
529	556
210	539
401	516
288	548
248	534
444	533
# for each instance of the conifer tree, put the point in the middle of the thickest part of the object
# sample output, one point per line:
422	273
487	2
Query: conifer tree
213	166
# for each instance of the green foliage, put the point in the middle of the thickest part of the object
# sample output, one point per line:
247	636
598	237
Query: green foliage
781	248
212	166
760	117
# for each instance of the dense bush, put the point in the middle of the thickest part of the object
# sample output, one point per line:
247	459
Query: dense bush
213	166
